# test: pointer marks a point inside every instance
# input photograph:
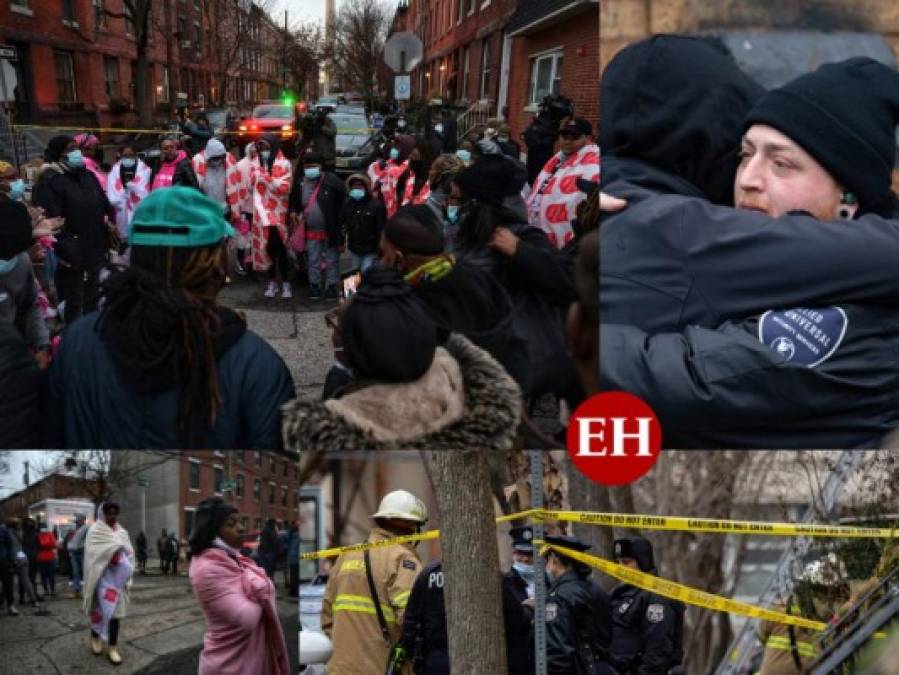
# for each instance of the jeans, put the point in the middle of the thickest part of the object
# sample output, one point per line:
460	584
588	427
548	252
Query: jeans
77	560
80	289
48	576
277	251
6	581
318	250
363	262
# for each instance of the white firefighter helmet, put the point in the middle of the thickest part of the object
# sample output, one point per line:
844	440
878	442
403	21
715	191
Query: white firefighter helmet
315	648
826	571
402	505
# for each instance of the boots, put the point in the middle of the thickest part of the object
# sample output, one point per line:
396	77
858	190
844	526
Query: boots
96	645
114	657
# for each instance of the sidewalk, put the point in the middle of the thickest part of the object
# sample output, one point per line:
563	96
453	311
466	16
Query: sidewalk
162	634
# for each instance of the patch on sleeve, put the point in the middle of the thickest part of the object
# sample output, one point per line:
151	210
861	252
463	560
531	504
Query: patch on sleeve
655	613
409	565
552	611
806	337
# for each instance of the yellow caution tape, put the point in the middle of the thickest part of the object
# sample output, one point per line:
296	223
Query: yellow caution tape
712	525
676	591
161	132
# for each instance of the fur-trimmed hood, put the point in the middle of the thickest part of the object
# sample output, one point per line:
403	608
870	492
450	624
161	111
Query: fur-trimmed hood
476	402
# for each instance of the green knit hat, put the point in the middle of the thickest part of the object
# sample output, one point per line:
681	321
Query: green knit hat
179	217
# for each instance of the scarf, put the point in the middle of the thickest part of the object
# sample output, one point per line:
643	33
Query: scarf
433	270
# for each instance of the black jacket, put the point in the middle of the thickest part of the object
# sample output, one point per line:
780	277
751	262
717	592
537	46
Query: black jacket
647	631
363	221
108	405
424	626
7	548
76	195
20	384
577	623
184	174
330	198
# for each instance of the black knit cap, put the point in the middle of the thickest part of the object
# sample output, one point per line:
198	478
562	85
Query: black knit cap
415	229
492	178
15	228
843	114
388	335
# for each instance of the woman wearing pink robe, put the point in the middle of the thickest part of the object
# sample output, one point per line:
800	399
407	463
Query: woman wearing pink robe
243	633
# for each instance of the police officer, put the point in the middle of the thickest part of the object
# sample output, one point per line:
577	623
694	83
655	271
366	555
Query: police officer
367	592
520	578
647	629
424	641
578	623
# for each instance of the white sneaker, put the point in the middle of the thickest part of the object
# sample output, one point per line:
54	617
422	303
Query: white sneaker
286	291
272	290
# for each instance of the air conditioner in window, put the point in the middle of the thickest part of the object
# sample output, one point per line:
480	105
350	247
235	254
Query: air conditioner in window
185	44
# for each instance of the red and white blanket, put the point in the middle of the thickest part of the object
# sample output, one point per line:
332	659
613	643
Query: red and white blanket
125	197
233	180
555	195
270	192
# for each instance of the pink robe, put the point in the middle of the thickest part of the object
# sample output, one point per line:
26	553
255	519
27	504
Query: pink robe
243	633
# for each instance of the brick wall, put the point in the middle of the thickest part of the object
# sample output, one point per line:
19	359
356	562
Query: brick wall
578	38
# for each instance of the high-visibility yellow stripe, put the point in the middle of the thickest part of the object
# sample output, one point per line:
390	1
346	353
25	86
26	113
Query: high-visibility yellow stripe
401	599
782	642
361	604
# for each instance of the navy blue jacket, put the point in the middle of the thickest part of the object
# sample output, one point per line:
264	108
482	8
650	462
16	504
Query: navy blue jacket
90	405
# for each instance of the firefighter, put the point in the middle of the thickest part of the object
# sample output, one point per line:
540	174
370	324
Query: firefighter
367	592
647	629
817	594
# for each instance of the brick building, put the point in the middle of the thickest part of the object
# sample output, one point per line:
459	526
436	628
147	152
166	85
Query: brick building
261	485
507	54
54	486
77	59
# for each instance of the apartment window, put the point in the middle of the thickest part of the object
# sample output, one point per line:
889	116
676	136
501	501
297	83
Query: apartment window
65	76
238	485
68	11
189	513
284	468
194	475
461	10
21	4
257	457
99	13
182	28
219	476
471	5
283	496
257	489
244	523
484	4
164	94
485	68
271	493
466	71
111	66
258	523
272	464
546	76
198	36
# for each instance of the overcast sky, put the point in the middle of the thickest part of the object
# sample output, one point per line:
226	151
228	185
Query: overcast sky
300	10
12	481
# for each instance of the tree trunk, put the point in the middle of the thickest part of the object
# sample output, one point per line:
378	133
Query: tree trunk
141	88
473	594
169	55
585	495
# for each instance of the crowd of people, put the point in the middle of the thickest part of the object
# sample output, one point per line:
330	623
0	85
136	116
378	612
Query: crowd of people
234	586
122	271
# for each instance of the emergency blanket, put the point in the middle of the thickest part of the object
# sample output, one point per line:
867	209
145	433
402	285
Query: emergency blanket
108	566
125	197
555	196
234	183
270	191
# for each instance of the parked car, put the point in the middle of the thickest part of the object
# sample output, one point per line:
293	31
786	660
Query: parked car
276	118
222	120
350	109
356	146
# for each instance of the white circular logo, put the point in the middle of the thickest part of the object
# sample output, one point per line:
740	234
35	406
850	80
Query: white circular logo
784	346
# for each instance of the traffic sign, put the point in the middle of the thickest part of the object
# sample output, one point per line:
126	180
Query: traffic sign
8	52
403	51
402	87
143	480
227	485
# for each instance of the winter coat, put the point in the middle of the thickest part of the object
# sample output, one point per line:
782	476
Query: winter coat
330	199
348	615
465	400
243	634
324	139
19	304
20	386
184	172
108	405
647	631
46	542
363	221
578	619
7	547
76	195
270	188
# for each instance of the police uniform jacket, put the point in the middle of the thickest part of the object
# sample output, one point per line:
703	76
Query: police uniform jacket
647	631
575	607
348	611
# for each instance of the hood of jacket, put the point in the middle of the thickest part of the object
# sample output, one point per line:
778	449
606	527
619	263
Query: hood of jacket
678	103
466	400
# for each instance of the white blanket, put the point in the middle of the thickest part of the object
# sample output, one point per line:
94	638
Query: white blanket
108	566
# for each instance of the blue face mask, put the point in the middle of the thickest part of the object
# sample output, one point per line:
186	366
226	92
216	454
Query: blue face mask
128	162
526	572
75	158
312	172
265	154
452	213
7	266
357	193
464	155
17	189
394	154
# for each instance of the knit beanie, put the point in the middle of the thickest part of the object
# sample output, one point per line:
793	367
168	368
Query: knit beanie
15	229
387	333
843	114
415	229
492	178
56	146
215	148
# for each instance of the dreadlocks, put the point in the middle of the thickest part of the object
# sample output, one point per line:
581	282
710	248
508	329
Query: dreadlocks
161	317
